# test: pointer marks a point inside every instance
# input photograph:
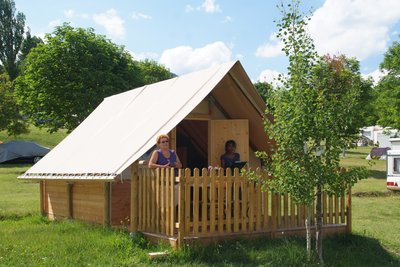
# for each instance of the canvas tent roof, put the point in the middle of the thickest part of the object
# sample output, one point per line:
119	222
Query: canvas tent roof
124	126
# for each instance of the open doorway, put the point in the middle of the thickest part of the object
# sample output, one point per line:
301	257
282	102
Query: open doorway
192	143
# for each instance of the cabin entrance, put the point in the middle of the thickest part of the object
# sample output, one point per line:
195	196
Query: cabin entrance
192	143
200	143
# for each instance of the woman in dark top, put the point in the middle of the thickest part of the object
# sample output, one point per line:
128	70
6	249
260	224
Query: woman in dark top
230	157
164	157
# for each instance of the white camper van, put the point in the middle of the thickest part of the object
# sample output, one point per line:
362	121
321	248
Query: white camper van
393	165
393	170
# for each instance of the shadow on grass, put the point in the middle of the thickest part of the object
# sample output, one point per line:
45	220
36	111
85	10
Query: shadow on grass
19	217
377	174
343	250
354	152
15	165
356	250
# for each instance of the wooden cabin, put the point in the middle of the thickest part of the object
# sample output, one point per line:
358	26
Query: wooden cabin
98	173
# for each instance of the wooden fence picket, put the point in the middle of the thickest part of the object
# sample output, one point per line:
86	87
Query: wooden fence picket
206	203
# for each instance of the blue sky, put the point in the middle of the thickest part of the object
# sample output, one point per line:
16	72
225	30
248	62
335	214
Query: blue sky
187	35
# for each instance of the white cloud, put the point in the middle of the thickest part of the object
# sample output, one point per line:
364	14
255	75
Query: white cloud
70	13
41	35
376	75
113	23
54	23
356	28
271	49
239	56
227	19
144	55
208	6
189	8
184	59
138	16
269	76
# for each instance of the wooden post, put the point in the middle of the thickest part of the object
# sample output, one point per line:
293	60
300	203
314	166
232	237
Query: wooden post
107	208
274	213
69	200
134	197
42	198
348	211
181	209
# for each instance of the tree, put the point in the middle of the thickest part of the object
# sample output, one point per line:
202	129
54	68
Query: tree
28	43
388	89
11	36
67	77
313	116
264	89
10	118
152	72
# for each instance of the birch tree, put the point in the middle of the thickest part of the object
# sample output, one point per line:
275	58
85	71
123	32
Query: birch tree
312	114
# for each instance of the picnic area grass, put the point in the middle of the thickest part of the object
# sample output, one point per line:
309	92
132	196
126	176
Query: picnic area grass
28	239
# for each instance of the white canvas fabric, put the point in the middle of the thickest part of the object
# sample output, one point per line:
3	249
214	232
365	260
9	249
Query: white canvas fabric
124	126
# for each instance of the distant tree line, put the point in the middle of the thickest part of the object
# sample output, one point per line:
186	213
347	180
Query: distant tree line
58	82
379	104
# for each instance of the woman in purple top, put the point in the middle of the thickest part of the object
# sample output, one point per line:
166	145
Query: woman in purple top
230	156
164	157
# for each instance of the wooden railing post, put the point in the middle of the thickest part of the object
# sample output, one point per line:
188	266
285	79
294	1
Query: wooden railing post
181	208
274	213
348	211
134	197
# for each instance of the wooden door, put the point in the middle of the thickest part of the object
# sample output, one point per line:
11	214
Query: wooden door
220	131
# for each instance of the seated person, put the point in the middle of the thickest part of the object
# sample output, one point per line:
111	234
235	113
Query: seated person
164	157
230	157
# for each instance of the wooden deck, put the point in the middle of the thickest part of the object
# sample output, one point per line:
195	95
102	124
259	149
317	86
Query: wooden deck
202	206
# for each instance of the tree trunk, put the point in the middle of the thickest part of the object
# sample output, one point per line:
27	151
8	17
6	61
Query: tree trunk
318	229
308	231
343	152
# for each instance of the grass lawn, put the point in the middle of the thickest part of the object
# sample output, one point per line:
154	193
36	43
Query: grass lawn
40	136
27	239
17	198
376	182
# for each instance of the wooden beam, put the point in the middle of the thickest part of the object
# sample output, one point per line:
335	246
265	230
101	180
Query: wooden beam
172	139
348	211
69	200
248	96
134	196
42	198
107	204
194	116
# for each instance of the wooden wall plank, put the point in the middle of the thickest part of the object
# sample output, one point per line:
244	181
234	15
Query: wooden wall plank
221	131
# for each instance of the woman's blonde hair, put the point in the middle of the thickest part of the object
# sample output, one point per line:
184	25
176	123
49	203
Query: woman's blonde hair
161	136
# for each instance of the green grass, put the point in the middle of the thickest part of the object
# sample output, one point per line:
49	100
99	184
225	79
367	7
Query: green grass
376	181
34	241
40	136
17	197
27	239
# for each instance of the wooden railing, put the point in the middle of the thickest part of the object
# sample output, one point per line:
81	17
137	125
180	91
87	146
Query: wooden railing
201	204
